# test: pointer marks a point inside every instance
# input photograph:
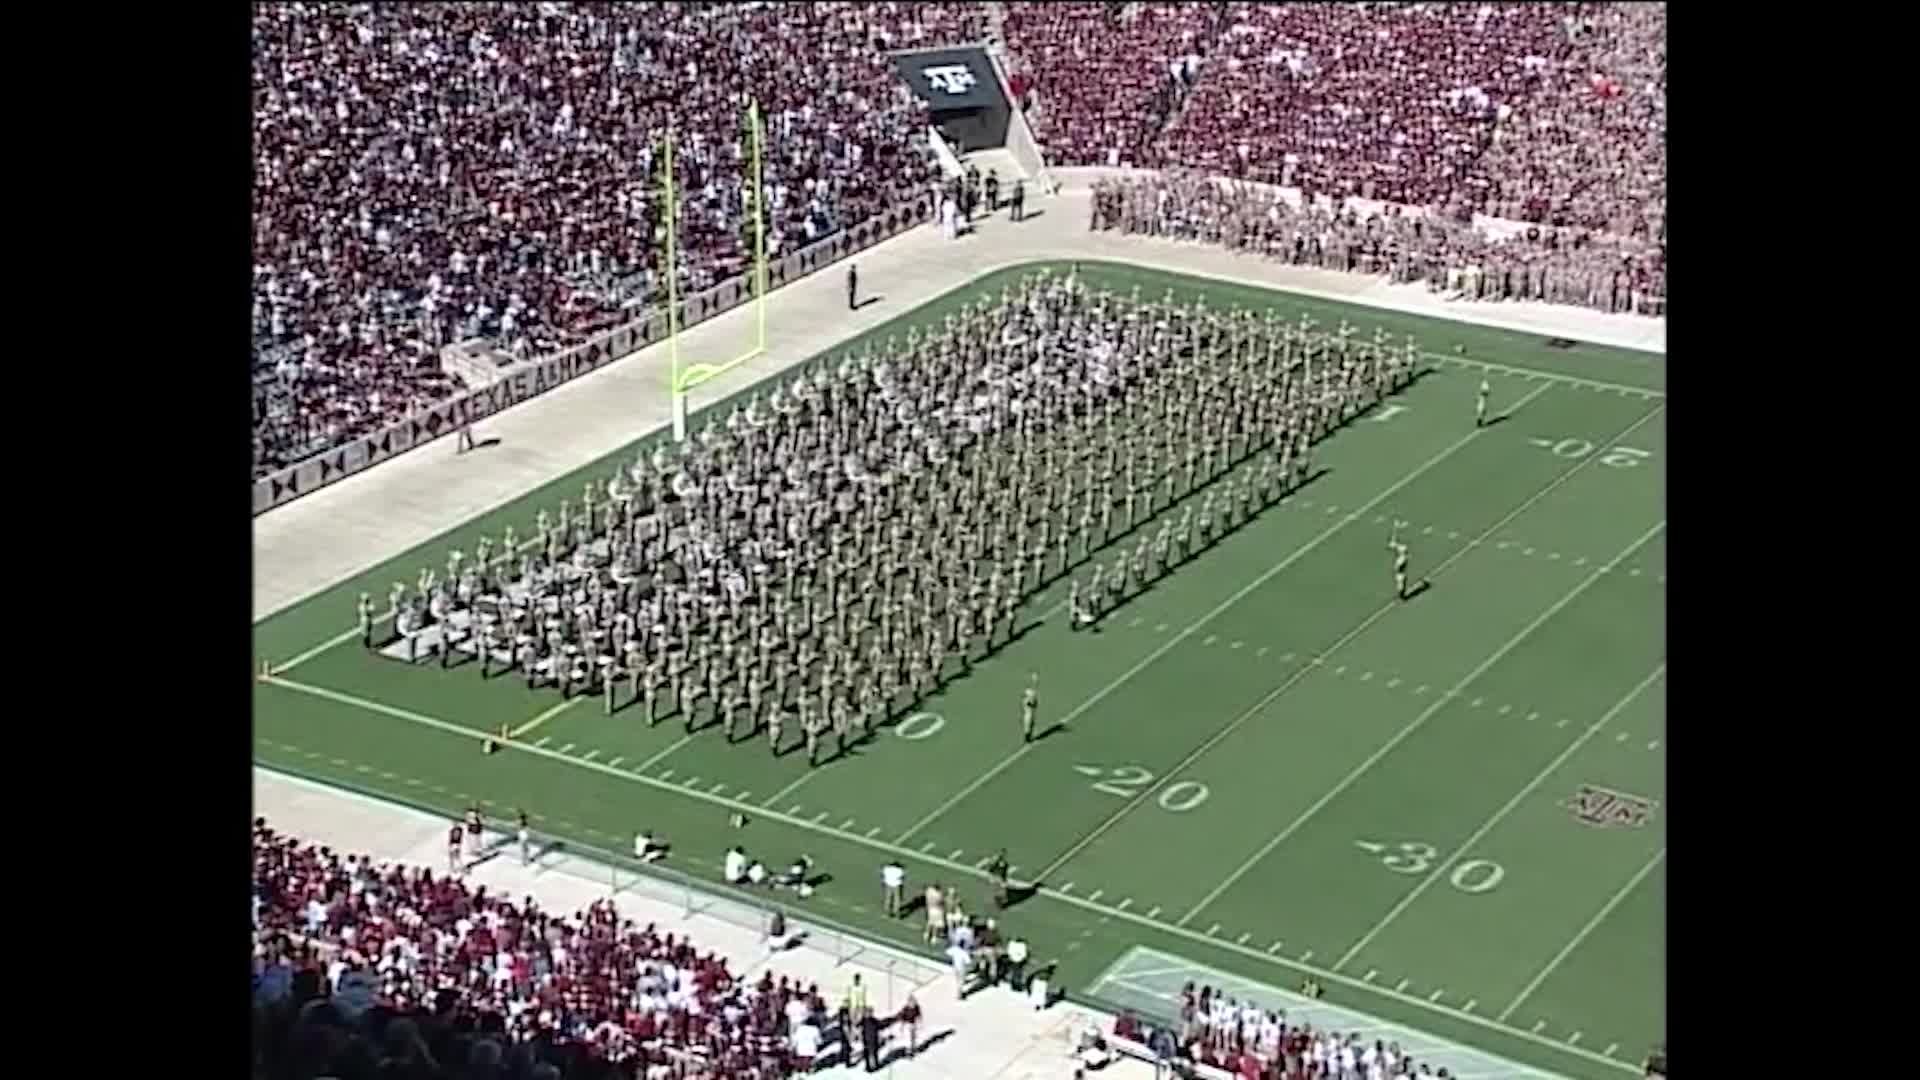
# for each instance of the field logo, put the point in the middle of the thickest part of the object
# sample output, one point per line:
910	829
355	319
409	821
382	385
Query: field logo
951	79
1604	808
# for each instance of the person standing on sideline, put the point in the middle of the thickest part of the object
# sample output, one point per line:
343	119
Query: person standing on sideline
853	286
1017	964
910	1016
1016	202
870	1041
466	429
526	839
894	877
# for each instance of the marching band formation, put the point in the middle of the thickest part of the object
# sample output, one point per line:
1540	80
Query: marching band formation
836	549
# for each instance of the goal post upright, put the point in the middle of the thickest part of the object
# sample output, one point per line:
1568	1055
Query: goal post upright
753	199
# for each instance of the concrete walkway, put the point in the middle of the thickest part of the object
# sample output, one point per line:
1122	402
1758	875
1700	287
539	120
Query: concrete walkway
993	1035
318	541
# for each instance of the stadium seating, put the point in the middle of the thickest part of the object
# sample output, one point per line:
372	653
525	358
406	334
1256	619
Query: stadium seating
371	970
426	174
432	173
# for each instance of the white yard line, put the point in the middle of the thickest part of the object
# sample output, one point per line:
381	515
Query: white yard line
544	717
1425	714
960	869
1195	626
1267	699
1498	816
1585	931
328	645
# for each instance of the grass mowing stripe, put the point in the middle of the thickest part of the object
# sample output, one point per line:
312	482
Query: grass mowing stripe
1425	714
1499	815
956	868
1592	924
1194	627
1268	698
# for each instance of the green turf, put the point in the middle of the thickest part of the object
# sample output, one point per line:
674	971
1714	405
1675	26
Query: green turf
1267	767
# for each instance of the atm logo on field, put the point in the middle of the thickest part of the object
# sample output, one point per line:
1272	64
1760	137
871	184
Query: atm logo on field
1604	808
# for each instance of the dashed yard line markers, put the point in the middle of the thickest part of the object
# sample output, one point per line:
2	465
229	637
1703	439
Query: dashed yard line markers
362	768
1562	722
1366	676
413	781
1196	626
1094	897
926	847
1453	534
1574	1039
717	789
1436	995
1211	638
1154	913
1654	745
1125	903
1528	551
1261	651
1401	985
1421	689
846	825
666	774
1160	628
1368	977
1236	644
1242	939
794	810
1471	1002
1275	947
1622	737
692	781
544	740
1581	561
1306	956
1136	620
820	817
744	796
590	755
954	855
1504	545
873	832
1339	671
1537	1025
1214	930
567	749
1286	658
1479	701
1611	1047
1065	889
615	763
1505	709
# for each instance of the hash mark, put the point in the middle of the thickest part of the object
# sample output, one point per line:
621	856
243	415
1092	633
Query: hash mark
926	847
1436	995
1528	551
1505	709
1562	722
1553	556
341	762
1242	939
1261	651
1211	638
1366	676
1094	896
717	789
1393	682
847	824
1533	716
1331	509
1339	671
1537	1025
1067	888
819	817
1573	1038
567	749
1421	689
1622	737
1428	531
1453	534
1368	977
743	796
1154	914
957	852
590	755
666	774
413	781
1581	561
1611	1047
544	740
1236	644
1286	658
1471	1002
1275	947
1306	956
872	831
615	763
794	810
692	781
1504	545
1137	620
1160	628
1654	745
1122	905
1402	985
1477	702
1213	930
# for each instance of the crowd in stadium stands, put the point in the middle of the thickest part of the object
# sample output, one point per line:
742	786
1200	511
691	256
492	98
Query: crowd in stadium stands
1101	79
1245	1041
364	970
1583	267
431	173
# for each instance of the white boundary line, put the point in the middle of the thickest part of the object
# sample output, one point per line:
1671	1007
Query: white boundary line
1194	627
1500	815
1592	924
965	870
1307	669
1400	736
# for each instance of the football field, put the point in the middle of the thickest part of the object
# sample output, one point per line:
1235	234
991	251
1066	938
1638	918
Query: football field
1448	811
